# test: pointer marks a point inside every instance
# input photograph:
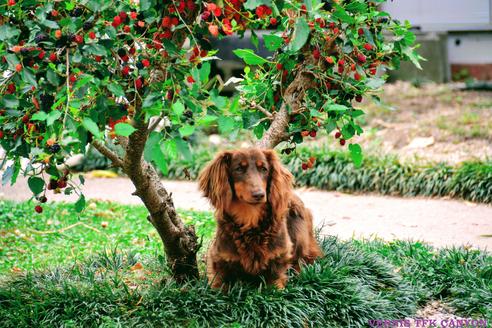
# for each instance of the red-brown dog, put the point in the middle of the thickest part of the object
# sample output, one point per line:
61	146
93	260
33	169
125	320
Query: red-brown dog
263	228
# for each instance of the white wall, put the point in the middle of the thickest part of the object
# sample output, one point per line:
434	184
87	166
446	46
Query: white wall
443	15
470	48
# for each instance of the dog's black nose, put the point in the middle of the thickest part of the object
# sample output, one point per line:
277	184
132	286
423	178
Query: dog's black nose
258	195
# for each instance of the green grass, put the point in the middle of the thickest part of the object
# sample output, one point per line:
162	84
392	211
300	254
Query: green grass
116	277
34	241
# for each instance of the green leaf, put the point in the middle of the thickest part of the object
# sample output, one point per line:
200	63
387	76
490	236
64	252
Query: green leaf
151	99
254	39
91	126
301	34
226	124
184	149
204	72
146	4
178	108
348	131
186	130
413	56
374	82
249	57
28	77
7	32
272	42
10	101
36	185
124	129
52	77
39	116
356	154
252	4
341	14
52	117
159	159
80	204
116	89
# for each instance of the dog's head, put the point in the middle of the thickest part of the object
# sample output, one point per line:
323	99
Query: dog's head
253	176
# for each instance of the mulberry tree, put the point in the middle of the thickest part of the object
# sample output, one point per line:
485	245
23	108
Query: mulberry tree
137	74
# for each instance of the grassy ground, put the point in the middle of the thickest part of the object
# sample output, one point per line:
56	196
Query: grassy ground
87	275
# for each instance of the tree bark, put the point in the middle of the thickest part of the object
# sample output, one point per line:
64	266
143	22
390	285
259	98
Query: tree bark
292	100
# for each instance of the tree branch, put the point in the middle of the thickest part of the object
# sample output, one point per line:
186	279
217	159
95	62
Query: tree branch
117	161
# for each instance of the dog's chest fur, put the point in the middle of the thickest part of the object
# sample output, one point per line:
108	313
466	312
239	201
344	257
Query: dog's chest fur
254	248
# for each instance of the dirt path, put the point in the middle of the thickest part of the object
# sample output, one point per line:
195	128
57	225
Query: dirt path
437	221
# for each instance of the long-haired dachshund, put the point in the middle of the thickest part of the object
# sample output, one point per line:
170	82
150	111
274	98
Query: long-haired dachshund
263	228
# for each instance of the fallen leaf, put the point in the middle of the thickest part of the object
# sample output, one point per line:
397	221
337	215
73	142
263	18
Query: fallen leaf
137	266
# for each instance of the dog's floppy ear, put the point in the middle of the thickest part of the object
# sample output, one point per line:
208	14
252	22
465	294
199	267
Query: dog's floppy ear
214	181
279	184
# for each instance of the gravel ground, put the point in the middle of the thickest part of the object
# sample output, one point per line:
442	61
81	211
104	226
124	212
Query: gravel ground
440	222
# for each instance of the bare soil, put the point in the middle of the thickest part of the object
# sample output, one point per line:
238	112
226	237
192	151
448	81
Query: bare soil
435	122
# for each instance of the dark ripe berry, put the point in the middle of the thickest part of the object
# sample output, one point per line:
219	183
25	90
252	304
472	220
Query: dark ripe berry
77	12
53	184
188	113
304	166
169	95
140	65
121	52
287	151
312	134
87	26
62	183
338	134
316	54
42	199
40	37
25	119
358	98
360	31
55	148
342	142
38	209
383	20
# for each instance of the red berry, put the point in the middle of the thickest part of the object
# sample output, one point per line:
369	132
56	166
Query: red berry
73	78
62	184
92	35
341	62
116	21
78	39
42	54
58	34
139	83
1	134
329	60
122	15
368	46
303	8
360	31
338	134
53	57
146	62
127	29
125	71
342	142
273	21
25	119
38	209
312	134
166	22
43	199
361	58
336	30
214	30
11	2
98	59
279	66
316	54
372	71
358	98
190	79
304	133
304	166
54	13
18	67
357	76
133	15
340	69
332	25
312	159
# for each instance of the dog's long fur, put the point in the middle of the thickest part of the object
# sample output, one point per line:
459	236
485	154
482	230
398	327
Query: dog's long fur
255	240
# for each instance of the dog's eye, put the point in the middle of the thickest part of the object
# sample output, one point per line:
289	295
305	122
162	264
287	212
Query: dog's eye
239	169
263	169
